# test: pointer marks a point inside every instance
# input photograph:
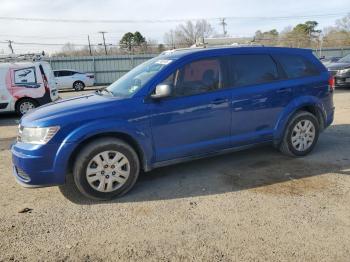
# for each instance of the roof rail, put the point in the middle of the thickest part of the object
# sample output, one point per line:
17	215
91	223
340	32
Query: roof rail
202	46
22	57
167	52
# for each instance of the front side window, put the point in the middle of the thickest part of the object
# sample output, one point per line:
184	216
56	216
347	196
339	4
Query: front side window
253	69
196	77
296	66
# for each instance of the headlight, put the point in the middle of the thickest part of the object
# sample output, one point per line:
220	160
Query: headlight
344	71
36	135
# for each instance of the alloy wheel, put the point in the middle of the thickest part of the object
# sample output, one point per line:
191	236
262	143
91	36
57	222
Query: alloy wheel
303	135
25	107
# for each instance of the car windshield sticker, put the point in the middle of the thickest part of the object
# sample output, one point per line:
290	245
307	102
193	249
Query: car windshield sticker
164	62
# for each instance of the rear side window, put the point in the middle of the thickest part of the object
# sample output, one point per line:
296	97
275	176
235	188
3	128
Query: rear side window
253	69
296	66
25	76
66	73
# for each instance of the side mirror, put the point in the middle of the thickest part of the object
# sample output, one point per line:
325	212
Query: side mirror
161	91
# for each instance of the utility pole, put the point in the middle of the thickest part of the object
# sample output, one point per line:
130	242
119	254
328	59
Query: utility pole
223	24
10	46
89	45
104	40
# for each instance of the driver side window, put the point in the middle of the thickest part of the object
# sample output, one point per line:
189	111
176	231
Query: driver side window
196	77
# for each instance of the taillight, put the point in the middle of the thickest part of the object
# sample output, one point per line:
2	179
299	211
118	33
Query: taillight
331	83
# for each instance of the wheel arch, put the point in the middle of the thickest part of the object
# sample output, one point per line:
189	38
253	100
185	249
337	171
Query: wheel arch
119	135
25	98
311	106
316	111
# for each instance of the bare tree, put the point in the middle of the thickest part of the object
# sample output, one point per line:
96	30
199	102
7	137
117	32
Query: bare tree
188	34
70	49
334	37
169	39
343	23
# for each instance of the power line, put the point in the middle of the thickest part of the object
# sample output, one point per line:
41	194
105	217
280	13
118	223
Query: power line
129	21
61	44
287	38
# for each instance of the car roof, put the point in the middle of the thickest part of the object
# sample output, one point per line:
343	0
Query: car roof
17	64
178	53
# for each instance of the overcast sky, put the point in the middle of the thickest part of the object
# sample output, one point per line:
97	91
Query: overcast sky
55	32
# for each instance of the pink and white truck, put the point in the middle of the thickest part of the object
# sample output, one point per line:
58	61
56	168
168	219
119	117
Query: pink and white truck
26	85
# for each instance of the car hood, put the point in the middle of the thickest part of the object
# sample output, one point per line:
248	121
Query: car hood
82	107
338	66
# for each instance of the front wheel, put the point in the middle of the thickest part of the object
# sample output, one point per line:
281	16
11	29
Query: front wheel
301	135
106	168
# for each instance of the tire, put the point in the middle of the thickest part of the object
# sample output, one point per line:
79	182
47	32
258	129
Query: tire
105	169
24	105
78	86
300	143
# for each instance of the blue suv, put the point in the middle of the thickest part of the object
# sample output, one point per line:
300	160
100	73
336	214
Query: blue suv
179	106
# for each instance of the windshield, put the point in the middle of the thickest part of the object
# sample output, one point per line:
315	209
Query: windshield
345	59
134	80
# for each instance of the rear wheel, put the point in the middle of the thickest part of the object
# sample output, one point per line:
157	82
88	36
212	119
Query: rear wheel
301	134
106	168
25	105
78	86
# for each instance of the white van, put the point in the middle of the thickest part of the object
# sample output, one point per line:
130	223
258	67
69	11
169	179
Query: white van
26	85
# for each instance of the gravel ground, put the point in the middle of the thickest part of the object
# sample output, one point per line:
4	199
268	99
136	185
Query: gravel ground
255	205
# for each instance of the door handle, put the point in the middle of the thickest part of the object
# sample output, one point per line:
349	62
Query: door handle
219	101
284	90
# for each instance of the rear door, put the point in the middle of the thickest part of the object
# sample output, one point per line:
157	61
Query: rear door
196	119
259	94
47	73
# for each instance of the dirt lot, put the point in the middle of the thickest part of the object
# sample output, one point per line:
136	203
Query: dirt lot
256	205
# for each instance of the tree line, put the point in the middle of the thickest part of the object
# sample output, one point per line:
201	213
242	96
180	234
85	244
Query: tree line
303	35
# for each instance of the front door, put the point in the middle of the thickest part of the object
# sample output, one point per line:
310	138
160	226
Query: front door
196	119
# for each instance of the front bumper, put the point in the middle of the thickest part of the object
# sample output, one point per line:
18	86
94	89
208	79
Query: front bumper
37	165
